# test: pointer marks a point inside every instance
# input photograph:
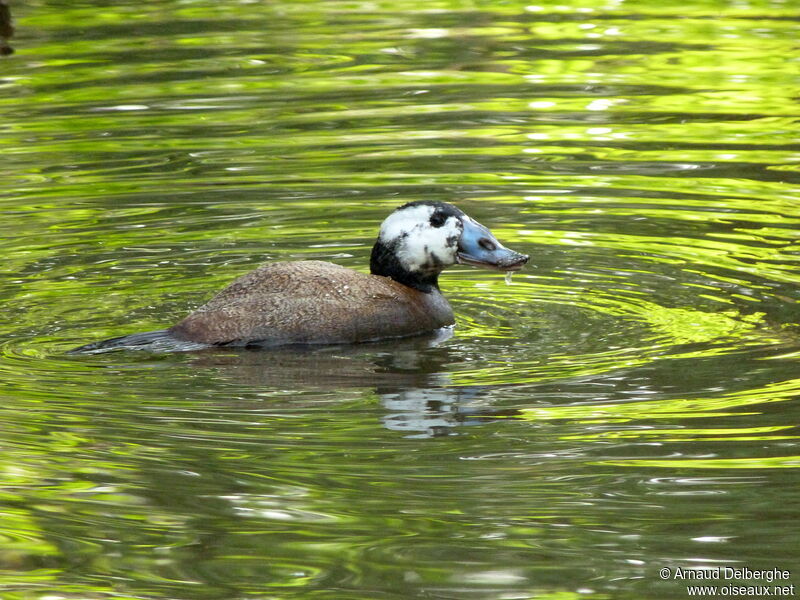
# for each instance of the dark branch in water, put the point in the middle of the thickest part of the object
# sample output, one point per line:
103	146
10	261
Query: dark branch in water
6	29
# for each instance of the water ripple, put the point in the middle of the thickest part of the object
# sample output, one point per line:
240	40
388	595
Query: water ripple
621	403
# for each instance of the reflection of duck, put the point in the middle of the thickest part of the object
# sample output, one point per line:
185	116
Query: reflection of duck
412	362
314	302
435	412
410	377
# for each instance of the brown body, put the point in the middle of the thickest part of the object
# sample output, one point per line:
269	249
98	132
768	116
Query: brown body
313	302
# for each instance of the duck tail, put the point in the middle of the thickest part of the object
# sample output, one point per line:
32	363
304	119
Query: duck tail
134	341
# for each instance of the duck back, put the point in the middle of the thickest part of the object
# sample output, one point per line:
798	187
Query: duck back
313	302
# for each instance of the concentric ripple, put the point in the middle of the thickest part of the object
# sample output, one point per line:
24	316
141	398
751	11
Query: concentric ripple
598	296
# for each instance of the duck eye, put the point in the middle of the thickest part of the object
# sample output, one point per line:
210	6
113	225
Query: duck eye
438	219
487	244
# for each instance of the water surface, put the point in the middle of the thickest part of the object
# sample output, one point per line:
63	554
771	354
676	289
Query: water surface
627	403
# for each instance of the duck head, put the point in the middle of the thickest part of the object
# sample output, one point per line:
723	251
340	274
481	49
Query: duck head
420	239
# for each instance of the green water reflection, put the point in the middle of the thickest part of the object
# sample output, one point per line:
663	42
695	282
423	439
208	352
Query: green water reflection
626	403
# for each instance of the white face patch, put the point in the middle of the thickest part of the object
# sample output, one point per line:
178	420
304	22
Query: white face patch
418	245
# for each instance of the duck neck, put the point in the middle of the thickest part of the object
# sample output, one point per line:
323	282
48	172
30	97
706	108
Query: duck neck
384	262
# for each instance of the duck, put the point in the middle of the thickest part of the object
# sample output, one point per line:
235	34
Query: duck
317	302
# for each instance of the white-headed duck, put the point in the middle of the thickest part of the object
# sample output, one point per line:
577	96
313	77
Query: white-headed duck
316	302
